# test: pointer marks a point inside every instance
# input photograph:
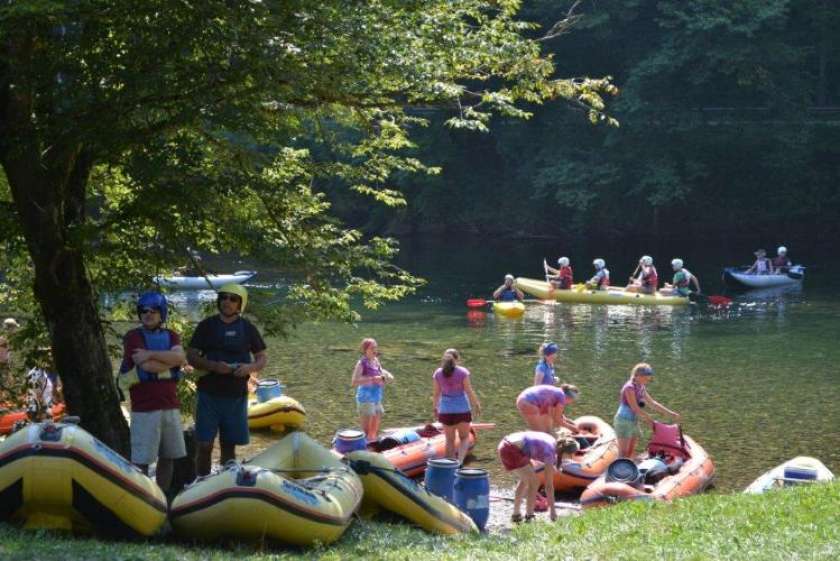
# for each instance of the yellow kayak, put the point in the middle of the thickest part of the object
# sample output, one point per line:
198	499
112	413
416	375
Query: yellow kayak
580	293
509	309
279	413
295	492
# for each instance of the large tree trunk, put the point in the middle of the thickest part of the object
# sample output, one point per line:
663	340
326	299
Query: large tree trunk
69	307
48	179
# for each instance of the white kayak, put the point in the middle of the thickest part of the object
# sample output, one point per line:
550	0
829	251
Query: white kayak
799	470
204	283
736	277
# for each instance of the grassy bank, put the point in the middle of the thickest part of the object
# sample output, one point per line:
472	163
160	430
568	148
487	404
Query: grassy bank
796	524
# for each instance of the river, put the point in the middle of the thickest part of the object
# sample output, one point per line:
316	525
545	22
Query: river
756	384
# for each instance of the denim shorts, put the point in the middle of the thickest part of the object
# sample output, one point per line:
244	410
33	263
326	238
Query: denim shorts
625	428
223	415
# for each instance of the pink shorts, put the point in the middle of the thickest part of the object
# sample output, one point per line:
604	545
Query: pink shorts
511	455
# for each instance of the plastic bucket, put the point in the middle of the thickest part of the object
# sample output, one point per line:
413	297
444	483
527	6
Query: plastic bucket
623	470
268	389
472	494
440	477
349	440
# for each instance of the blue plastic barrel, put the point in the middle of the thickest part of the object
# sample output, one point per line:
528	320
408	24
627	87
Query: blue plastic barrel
440	477
268	389
348	440
472	494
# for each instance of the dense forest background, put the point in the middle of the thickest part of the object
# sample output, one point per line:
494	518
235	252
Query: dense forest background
730	126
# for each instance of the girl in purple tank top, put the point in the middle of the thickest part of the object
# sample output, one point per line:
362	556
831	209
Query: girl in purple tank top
368	379
454	401
542	407
632	404
516	452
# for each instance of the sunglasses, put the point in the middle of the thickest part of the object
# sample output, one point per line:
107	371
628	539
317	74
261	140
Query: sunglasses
148	310
231	297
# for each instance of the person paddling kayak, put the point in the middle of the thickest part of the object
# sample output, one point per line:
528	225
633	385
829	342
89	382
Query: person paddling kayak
648	280
683	280
562	277
601	280
508	291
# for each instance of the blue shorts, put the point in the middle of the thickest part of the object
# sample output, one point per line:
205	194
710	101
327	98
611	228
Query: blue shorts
224	415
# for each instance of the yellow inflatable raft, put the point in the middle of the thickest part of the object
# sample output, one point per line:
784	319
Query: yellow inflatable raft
509	309
581	294
388	488
296	492
58	476
280	413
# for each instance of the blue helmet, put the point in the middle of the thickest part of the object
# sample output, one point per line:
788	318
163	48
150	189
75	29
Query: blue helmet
152	300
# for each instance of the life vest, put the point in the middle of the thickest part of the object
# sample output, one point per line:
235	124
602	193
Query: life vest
508	295
682	281
158	340
603	277
650	278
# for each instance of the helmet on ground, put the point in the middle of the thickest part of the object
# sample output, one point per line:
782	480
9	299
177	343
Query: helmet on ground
782	250
563	261
677	264
154	300
646	260
599	263
236	290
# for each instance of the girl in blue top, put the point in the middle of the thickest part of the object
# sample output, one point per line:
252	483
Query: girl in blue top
544	372
368	378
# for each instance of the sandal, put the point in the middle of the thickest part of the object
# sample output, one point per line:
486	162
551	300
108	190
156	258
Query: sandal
516	518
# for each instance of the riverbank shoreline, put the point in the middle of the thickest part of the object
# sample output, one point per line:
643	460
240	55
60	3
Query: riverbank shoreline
796	523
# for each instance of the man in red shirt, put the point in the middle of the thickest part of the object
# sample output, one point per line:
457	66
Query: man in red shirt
150	370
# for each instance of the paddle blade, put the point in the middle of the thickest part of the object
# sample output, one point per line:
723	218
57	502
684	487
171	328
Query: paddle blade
476	303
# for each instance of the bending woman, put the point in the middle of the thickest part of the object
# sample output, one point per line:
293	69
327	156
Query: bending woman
632	403
454	401
516	452
542	407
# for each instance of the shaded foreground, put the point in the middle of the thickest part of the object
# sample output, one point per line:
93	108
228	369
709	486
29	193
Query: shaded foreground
791	524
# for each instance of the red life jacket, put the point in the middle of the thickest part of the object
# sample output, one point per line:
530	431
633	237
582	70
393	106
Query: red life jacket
650	278
566	277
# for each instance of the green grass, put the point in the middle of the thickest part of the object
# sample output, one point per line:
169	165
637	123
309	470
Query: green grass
795	524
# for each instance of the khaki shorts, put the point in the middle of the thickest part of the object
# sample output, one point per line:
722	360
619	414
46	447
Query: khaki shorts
368	409
156	434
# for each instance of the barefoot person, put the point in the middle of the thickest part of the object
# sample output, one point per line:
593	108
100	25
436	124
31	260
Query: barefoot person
634	401
542	407
516	452
368	378
454	401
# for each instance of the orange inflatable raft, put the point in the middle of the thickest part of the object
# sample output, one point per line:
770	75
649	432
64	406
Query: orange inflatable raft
598	449
8	419
408	448
674	466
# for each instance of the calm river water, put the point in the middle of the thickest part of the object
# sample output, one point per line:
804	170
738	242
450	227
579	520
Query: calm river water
756	385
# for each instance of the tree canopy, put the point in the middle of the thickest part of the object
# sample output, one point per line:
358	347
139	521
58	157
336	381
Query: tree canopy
132	133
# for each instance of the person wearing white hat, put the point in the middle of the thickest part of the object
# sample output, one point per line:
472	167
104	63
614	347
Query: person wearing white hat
683	279
648	280
508	291
781	263
562	277
10	325
601	280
